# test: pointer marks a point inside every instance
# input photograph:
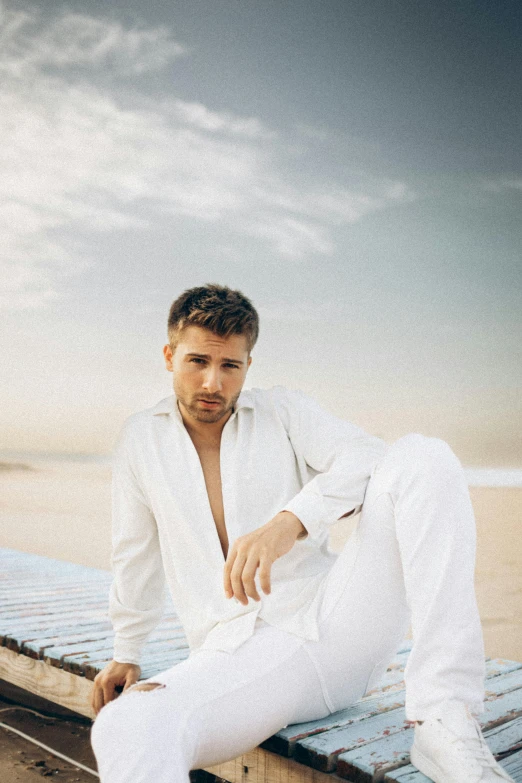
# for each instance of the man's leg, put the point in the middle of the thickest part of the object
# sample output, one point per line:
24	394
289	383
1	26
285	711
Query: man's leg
213	707
417	519
416	559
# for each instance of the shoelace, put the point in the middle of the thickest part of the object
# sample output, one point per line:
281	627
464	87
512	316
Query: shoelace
477	748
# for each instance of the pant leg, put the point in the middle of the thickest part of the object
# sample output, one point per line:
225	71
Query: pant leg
416	559
214	707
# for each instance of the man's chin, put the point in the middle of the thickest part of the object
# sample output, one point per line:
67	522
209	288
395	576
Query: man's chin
210	416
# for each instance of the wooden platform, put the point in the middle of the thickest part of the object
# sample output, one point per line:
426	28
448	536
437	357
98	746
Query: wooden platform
55	637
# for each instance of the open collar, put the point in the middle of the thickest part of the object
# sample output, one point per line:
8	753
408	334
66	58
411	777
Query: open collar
169	405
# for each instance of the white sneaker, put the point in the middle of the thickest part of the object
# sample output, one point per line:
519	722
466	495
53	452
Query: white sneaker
451	749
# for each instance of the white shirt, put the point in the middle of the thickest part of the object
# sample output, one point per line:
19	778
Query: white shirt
279	451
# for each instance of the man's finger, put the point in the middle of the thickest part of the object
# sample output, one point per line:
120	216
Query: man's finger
236	579
98	699
227	582
109	693
264	575
248	578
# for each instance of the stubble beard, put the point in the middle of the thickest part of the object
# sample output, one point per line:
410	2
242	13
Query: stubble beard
207	415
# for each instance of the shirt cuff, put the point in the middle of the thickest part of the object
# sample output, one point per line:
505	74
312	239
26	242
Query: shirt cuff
124	652
309	510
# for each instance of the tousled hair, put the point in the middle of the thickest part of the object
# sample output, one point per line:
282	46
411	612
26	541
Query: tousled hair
217	308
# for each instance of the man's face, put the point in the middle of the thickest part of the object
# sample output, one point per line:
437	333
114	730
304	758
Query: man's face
208	372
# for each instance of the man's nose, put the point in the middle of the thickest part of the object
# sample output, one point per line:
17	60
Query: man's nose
212	382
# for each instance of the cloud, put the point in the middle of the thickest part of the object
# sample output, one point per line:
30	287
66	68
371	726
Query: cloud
198	115
82	40
512	184
77	159
500	185
292	238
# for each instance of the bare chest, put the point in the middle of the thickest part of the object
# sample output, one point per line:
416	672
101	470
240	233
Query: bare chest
210	463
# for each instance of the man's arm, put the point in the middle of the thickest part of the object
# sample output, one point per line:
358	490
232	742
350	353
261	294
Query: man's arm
137	592
343	457
342	454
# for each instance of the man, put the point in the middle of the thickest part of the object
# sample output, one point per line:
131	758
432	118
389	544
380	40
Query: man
226	496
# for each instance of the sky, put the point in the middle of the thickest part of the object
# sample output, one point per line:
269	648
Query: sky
353	168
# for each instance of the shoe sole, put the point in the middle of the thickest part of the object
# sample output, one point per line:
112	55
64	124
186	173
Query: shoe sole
426	766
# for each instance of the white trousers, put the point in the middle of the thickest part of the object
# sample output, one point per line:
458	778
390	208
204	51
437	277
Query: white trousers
415	561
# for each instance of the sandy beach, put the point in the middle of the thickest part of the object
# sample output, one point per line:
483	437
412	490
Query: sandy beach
62	509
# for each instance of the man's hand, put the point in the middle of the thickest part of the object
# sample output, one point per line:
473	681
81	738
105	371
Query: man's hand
105	682
259	549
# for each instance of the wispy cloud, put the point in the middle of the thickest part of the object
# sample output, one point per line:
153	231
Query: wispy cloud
200	116
79	39
512	184
502	184
75	155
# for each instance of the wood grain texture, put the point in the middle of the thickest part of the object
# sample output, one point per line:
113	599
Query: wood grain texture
262	766
37	677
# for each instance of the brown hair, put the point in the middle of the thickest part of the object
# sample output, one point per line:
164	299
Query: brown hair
214	307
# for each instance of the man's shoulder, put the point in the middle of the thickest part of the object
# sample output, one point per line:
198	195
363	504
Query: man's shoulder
273	395
278	401
145	416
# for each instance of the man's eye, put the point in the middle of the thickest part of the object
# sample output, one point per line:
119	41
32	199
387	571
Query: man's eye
197	360
234	366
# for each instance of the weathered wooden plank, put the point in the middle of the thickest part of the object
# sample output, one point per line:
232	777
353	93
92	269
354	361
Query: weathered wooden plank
16	637
58	686
293	739
39	648
11	582
93	643
513	766
504	741
52	595
67	607
94	654
268	768
49	605
21	629
36	648
370	761
366	719
284	741
55	601
154	664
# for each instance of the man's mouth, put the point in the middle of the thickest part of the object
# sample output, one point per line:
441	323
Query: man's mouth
209	403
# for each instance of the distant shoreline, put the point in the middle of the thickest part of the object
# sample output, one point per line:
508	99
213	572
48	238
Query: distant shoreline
13	461
16	466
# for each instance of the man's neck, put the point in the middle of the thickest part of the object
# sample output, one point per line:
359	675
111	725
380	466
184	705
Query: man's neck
202	431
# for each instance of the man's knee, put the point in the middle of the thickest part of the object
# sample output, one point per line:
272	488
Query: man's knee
425	449
420	455
124	719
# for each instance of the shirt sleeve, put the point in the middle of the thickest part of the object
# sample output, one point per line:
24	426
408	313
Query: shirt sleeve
341	454
137	592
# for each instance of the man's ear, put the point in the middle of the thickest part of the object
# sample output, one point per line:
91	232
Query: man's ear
249	362
167	353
